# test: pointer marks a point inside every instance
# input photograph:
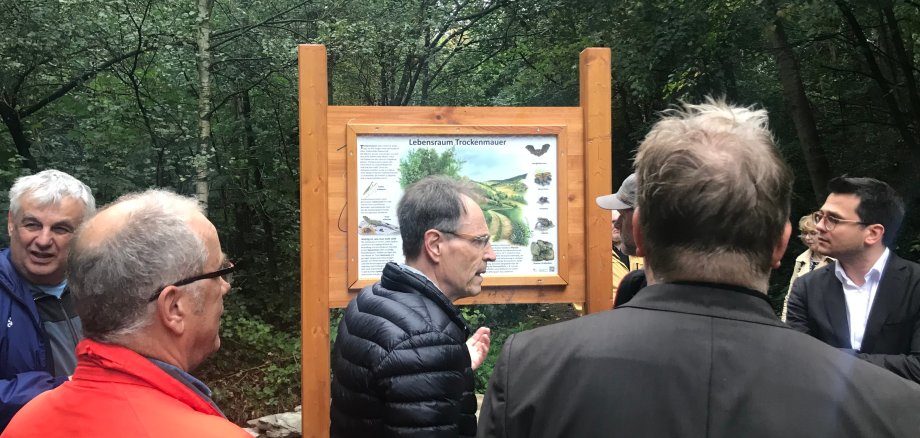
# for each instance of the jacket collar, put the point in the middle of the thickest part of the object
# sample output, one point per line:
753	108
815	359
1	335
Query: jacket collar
708	299
890	293
396	278
101	362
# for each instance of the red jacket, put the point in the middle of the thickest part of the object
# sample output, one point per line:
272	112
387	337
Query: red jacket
116	392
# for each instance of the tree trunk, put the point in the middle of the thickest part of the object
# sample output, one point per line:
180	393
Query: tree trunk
257	204
204	102
862	43
23	145
903	61
731	82
800	110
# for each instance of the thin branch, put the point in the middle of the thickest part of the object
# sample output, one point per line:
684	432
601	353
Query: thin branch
238	92
73	83
243	29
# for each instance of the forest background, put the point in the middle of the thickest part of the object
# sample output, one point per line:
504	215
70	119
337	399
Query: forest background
200	96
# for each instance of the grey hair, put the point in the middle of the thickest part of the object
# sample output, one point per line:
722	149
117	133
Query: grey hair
712	190
112	278
433	202
48	187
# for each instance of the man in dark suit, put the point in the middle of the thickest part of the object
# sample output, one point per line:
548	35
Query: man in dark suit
699	352
868	303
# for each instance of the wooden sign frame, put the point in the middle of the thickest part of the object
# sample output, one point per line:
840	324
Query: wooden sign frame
561	175
324	174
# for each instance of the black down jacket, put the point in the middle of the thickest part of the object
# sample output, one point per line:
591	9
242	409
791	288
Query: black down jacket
400	363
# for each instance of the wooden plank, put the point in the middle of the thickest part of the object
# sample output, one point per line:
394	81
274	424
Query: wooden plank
314	242
595	95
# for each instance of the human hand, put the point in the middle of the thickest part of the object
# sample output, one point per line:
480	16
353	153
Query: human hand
478	344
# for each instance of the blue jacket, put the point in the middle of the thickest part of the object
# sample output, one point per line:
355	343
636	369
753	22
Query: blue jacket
24	365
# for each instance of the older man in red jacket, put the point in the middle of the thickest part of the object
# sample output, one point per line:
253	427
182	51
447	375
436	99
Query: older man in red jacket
150	277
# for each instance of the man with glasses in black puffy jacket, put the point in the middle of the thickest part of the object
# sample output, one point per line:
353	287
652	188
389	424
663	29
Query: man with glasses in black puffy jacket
402	361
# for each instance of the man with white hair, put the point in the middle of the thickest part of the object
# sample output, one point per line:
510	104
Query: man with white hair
700	351
150	278
41	327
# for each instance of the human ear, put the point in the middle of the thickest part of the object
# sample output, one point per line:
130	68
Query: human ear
875	233
638	238
432	243
780	248
172	309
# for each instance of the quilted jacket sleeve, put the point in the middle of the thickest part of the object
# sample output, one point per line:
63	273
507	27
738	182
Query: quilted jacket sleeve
422	382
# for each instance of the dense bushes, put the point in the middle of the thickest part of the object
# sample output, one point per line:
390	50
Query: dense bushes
257	370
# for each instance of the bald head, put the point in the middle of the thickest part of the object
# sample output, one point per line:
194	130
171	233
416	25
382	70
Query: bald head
110	222
131	248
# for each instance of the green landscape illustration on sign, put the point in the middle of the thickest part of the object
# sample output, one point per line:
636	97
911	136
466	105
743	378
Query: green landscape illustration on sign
501	200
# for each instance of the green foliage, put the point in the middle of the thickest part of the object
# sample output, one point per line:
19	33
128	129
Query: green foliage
504	320
423	162
257	370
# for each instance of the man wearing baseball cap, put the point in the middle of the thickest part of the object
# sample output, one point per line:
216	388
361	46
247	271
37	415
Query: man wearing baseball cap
621	205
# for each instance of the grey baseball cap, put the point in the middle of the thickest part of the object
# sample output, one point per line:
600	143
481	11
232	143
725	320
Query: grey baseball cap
623	199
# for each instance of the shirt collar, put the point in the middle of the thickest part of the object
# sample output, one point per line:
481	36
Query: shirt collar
405	267
189	379
874	272
41	291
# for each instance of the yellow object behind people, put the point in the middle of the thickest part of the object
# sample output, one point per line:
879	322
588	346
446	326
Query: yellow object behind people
618	271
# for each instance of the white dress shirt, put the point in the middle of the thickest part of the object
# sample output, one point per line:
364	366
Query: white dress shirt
859	299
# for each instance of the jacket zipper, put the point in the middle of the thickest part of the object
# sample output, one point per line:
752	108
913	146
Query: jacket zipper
73	331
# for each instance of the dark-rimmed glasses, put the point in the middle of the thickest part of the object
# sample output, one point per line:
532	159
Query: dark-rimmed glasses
225	271
480	242
831	222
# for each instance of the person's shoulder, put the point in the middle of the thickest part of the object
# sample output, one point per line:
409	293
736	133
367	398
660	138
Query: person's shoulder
381	301
161	414
569	334
185	423
201	425
388	316
902	263
9	277
819	275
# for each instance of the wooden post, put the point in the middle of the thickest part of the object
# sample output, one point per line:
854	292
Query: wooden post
595	99
314	243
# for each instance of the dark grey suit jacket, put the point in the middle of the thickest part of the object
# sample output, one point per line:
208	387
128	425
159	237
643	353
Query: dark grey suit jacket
818	307
689	361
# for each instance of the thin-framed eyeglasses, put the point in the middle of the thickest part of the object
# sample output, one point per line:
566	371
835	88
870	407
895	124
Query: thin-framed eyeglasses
831	222
480	241
226	272
808	235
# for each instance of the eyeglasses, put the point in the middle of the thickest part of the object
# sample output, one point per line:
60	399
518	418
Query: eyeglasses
808	235
226	272
831	222
480	242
